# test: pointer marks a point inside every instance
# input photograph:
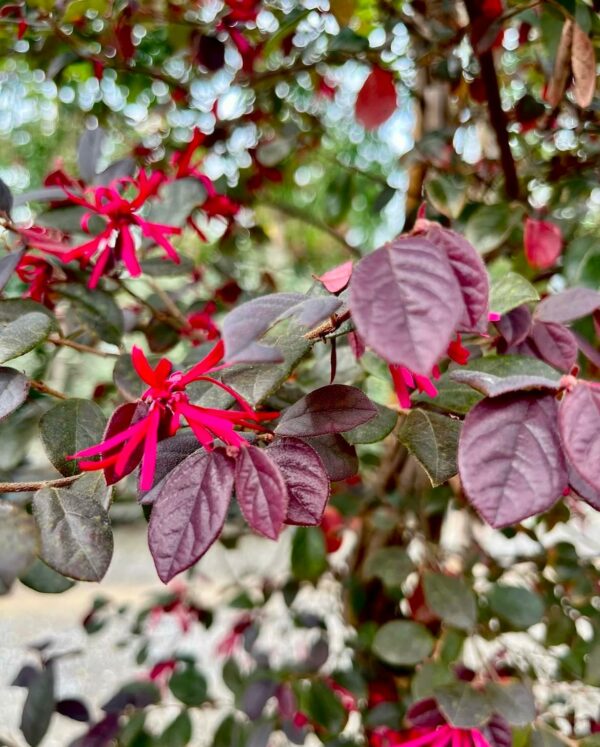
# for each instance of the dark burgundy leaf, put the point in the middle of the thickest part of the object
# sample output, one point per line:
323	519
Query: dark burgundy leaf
305	478
209	51
425	714
567	306
470	272
338	456
6	198
14	388
494	386
331	409
124	416
510	459
406	303
497	731
377	99
169	453
101	734
583	489
260	491
73	709
590	352
556	344
579	421
189	511
514	326
137	694
543	243
8	265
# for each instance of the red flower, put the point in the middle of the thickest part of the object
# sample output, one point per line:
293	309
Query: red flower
227	646
440	736
39	275
166	405
116	242
201	326
241	11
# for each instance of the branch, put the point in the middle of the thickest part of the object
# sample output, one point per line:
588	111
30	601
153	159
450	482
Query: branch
334	322
29	487
39	386
497	116
64	341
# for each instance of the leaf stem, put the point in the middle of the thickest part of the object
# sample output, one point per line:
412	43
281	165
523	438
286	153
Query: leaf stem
29	487
64	341
39	386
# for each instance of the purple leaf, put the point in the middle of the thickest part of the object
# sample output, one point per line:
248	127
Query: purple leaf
498	732
510	459
556	344
243	326
189	511
124	416
515	325
100	734
305	478
470	273
567	306
73	709
583	489
494	386
14	388
588	350
331	409
406	303
338	456
425	714
169	453
579	422
260	491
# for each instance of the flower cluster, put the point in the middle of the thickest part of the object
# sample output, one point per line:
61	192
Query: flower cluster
159	415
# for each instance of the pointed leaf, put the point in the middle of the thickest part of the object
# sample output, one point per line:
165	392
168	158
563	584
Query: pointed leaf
23	334
375	429
8	264
510	291
75	532
567	306
515	325
543	243
406	303
189	511
331	409
555	344
305	478
494	386
338	456
518	607
579	422
39	707
14	388
377	99
450	599
43	579
260	491
336	279
169	453
433	439
462	705
510	458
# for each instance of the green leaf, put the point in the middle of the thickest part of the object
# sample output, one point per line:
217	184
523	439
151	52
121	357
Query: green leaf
389	564
375	429
451	600
77	9
592	666
490	225
12	309
75	532
39	707
14	388
23	334
323	707
189	686
447	193
510	291
159	267
518	607
463	706
429	677
309	557
41	578
513	700
403	643
178	733
96	310
433	439
452	396
18	543
69	427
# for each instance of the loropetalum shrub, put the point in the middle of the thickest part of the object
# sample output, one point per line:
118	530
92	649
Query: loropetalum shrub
386	391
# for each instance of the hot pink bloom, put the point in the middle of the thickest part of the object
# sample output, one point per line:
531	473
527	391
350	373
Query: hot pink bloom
116	242
201	326
440	736
39	275
163	406
228	644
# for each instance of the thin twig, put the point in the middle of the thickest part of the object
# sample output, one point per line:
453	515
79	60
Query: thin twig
64	341
29	487
168	302
39	386
327	327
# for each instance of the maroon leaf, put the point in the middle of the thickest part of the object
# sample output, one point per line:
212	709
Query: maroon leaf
305	478
514	326
338	456
331	409
510	459
579	422
377	99
497	731
169	453
124	416
406	303
567	306
425	714
260	491
189	511
584	490
470	272
543	243
556	344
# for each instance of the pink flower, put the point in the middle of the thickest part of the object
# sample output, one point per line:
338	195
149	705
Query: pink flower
543	243
439	736
227	646
39	275
116	243
201	326
163	406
